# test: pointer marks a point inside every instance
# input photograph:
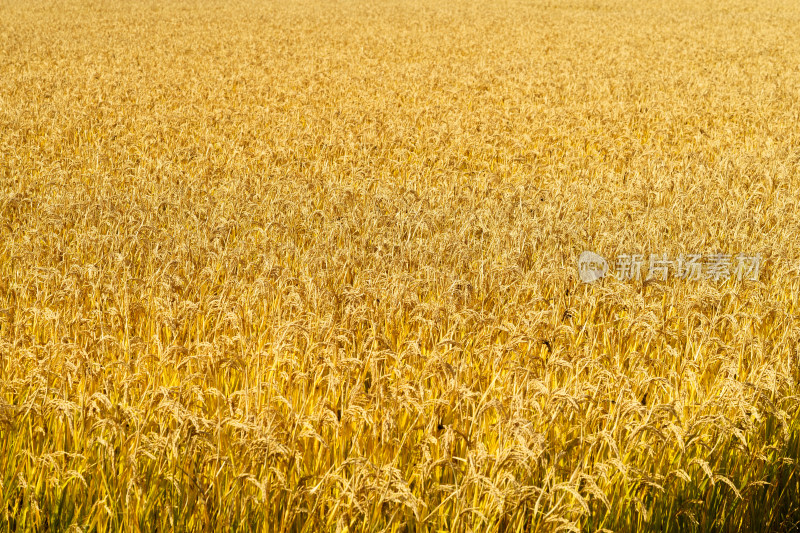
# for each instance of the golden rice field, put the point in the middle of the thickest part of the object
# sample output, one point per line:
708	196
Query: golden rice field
313	266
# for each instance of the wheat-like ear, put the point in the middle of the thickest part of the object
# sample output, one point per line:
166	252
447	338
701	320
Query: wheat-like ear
312	266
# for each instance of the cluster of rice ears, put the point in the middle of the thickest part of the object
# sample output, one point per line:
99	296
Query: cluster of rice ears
293	267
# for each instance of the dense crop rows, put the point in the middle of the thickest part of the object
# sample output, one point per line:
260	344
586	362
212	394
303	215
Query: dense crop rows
312	266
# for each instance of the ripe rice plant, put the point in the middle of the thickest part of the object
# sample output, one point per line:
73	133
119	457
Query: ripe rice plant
312	266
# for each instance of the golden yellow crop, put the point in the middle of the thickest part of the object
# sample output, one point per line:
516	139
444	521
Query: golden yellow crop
312	266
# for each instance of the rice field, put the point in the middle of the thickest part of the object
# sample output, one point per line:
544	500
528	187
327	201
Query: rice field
314	266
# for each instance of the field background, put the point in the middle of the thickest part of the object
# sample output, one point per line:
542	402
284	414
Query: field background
311	266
